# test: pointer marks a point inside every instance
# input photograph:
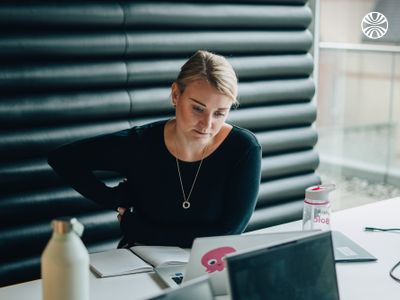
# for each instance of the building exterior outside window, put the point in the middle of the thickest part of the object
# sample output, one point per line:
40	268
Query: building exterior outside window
358	100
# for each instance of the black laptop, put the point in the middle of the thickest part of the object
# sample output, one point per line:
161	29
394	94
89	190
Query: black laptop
196	289
300	269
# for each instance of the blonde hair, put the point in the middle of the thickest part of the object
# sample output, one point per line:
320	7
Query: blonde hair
213	68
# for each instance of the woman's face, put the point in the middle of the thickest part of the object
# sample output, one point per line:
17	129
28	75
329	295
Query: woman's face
201	110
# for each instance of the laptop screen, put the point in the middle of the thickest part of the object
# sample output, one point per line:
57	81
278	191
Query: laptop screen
300	269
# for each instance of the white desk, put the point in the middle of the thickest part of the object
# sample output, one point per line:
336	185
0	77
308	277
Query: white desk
366	280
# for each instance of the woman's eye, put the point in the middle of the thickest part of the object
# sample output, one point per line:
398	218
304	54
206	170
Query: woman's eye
219	114
197	109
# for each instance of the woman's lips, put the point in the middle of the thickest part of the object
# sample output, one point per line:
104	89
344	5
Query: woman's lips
201	132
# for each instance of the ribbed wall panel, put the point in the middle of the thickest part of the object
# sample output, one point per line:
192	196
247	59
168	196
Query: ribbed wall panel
284	165
165	14
216	15
154	43
268	118
36	205
273	214
26	268
285	189
11	248
51	108
273	66
238	42
68	76
27	174
64	14
287	140
14	144
75	69
276	91
44	45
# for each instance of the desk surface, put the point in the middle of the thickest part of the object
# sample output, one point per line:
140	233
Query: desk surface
365	280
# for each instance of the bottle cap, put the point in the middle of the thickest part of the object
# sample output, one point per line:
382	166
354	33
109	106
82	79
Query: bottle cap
319	192
65	225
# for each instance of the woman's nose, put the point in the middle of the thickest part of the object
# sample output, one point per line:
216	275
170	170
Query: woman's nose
206	121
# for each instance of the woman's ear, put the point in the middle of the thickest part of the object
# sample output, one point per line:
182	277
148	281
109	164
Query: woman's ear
175	93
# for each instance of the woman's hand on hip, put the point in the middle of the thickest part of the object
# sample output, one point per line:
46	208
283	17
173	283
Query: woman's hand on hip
121	211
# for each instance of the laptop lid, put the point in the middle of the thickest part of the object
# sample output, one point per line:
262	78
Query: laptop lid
300	269
196	289
207	254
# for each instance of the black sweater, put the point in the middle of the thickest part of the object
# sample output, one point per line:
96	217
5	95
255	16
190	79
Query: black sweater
222	200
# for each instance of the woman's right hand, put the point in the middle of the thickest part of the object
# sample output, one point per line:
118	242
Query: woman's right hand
121	211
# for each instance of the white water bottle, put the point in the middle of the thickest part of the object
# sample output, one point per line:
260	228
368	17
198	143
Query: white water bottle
317	207
65	263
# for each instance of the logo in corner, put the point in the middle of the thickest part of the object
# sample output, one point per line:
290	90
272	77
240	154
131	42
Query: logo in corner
374	25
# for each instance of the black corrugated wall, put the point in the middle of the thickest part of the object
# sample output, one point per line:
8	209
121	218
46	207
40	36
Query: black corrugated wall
74	69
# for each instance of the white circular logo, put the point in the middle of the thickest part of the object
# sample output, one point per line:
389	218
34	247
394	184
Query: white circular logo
374	25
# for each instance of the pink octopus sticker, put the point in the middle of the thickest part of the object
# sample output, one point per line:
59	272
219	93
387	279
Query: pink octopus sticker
213	259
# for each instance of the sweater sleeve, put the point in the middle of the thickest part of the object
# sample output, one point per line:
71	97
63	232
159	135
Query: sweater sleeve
240	200
75	163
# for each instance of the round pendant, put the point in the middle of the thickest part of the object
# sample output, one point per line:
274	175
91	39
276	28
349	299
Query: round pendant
186	204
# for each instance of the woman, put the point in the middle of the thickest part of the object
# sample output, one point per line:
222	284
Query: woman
189	176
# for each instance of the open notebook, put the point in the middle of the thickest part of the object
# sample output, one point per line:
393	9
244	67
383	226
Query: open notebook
136	259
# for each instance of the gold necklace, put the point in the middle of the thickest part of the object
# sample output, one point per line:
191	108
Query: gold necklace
186	203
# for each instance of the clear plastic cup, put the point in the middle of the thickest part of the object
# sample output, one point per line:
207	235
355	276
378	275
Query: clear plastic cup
317	207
